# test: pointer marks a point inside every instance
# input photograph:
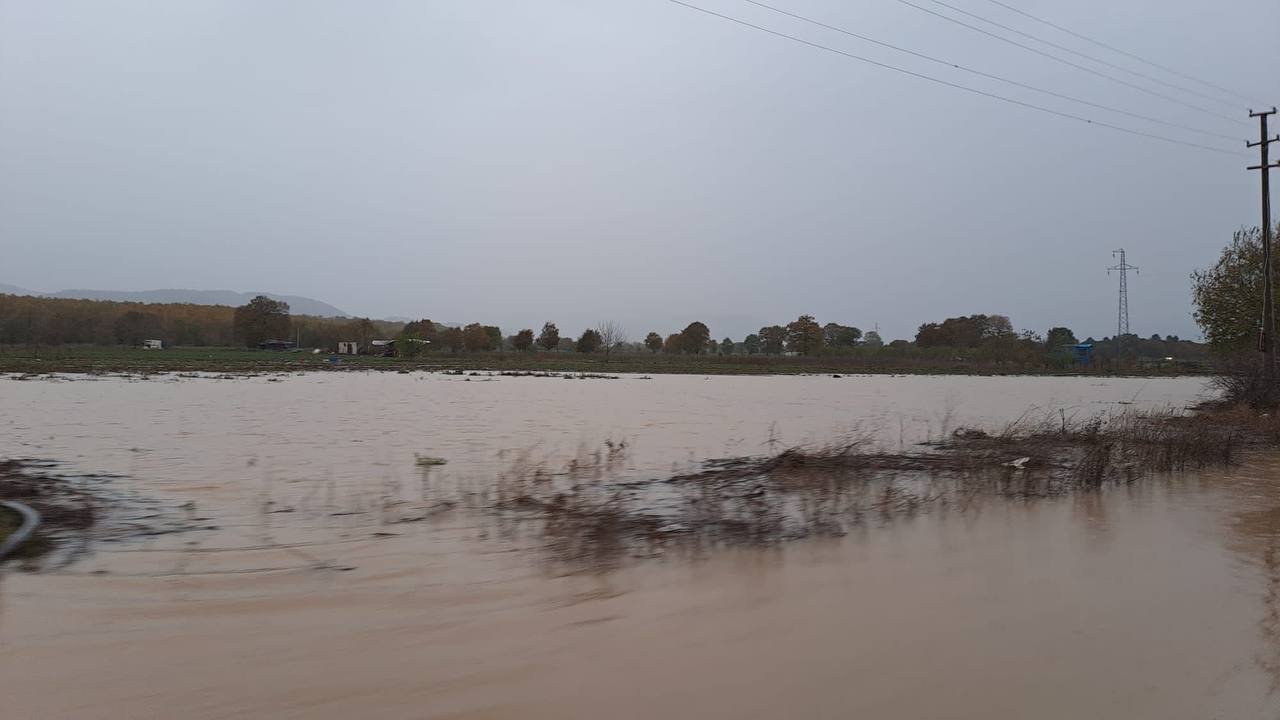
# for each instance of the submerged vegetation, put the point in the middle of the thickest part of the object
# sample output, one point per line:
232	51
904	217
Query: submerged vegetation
77	510
583	514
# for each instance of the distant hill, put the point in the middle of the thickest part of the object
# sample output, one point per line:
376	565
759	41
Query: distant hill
297	305
15	290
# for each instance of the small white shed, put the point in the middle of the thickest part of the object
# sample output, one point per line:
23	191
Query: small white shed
348	348
152	344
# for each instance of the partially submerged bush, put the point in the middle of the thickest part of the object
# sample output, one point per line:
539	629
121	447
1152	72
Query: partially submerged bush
1241	379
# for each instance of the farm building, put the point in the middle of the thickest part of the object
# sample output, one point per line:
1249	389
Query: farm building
348	348
152	344
1082	352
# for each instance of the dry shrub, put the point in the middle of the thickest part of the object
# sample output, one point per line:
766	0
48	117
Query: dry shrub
1241	379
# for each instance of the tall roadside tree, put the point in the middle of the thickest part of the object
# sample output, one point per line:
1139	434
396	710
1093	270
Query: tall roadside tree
451	338
549	338
773	339
969	331
751	344
835	335
695	338
804	336
612	334
653	341
1059	336
523	340
1228	296
495	336
261	319
589	342
424	329
475	338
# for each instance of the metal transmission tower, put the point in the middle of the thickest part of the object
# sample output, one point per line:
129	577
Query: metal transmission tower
1122	316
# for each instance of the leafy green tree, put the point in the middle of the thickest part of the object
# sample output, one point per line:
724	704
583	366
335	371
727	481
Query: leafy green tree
589	342
713	347
674	344
726	346
451	338
653	341
751	344
968	331
549	338
804	336
873	340
523	340
773	339
1059	336
836	335
409	345
695	338
932	335
475	338
1228	296
424	329
495	337
261	319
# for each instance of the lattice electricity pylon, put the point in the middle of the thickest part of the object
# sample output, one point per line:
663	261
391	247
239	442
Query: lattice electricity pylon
1122	319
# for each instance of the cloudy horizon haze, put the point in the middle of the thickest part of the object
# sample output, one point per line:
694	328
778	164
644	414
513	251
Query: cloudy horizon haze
577	161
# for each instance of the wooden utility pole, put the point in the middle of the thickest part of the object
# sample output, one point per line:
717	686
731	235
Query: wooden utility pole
1267	338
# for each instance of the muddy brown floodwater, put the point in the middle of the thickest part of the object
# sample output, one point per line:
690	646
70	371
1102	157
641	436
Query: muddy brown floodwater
329	585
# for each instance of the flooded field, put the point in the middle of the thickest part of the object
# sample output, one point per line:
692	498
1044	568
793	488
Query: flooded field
323	574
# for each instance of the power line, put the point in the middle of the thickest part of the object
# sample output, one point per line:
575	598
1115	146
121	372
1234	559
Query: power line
1115	49
1064	61
1077	53
957	86
991	76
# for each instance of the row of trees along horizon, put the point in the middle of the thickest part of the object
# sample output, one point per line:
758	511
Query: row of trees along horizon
34	321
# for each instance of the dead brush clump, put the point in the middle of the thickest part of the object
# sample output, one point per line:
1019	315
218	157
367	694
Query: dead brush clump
1082	454
584	512
61	504
66	509
77	511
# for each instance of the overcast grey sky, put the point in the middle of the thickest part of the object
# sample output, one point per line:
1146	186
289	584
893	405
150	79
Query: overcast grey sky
575	160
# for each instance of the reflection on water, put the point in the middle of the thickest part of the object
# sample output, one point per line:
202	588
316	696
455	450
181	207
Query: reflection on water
1257	540
335	586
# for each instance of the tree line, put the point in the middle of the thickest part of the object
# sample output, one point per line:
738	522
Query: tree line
28	320
39	321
